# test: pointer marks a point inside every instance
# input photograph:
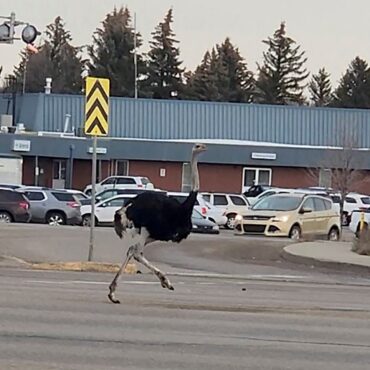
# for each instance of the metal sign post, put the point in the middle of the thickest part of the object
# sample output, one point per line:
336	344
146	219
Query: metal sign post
93	192
96	124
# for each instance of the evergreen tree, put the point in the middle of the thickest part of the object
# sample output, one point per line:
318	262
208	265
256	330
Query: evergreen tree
282	74
354	87
164	79
56	58
200	85
221	76
113	50
235	82
320	88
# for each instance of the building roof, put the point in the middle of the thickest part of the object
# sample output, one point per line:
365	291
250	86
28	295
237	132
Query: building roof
194	120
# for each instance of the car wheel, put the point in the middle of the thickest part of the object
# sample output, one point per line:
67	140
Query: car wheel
230	224
295	233
5	217
333	234
55	219
86	221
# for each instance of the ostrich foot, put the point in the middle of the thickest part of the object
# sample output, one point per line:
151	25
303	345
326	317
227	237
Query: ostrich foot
112	296
166	283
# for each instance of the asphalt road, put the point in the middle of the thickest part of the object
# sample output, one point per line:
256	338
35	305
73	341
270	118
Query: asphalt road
60	320
236	305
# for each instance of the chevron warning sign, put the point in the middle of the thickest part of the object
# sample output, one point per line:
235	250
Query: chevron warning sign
97	106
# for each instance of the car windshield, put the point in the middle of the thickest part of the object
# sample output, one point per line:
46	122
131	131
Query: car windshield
106	194
80	196
278	203
145	181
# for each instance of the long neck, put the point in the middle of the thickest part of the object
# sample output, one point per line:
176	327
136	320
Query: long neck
192	197
194	173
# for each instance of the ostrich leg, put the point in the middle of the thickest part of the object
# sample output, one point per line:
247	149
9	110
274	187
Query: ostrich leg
139	257
113	285
161	276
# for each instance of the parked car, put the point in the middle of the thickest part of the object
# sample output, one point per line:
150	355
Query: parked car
104	210
202	224
121	182
54	207
14	207
11	186
293	215
230	204
352	202
255	190
356	219
205	208
109	193
79	195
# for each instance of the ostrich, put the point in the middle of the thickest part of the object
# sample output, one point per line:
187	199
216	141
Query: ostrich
154	216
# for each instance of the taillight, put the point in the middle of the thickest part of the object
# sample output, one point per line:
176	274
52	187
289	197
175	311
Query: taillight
24	205
204	210
73	204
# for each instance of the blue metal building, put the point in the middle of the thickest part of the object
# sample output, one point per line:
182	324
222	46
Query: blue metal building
174	119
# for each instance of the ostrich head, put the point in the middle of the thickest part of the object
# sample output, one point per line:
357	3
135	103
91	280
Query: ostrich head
197	149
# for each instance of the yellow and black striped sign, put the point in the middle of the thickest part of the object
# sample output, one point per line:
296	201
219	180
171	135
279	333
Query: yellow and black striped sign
97	106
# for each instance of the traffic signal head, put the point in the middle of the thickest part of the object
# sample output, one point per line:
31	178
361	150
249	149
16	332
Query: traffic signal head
29	34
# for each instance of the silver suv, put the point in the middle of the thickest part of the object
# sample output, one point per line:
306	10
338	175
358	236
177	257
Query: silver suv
54	207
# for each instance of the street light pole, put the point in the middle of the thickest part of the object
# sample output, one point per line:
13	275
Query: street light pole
25	74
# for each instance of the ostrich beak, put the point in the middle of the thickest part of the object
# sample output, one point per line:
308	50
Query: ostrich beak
199	147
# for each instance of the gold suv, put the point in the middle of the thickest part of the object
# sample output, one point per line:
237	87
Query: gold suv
293	215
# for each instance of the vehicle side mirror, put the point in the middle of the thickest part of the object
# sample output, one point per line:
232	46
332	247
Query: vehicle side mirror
103	205
97	199
305	210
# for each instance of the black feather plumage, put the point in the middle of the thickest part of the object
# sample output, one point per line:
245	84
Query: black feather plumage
165	218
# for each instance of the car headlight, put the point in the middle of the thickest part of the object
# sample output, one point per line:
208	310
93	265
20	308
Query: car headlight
280	219
195	226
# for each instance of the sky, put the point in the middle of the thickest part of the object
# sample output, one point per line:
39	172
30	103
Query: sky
331	32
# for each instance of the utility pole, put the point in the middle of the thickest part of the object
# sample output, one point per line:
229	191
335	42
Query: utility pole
135	56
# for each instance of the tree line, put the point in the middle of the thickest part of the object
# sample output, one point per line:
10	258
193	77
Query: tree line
222	75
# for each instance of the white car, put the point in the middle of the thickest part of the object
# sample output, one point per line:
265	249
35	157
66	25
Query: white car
121	182
230	204
206	209
356	220
354	201
104	210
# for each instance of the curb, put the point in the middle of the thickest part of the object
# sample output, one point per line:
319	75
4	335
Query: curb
131	268
10	261
341	266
